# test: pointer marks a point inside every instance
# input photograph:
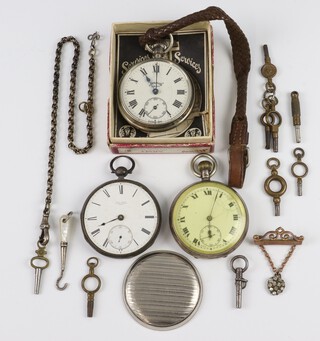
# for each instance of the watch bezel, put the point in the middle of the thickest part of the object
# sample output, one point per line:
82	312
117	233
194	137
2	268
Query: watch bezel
141	249
197	254
148	127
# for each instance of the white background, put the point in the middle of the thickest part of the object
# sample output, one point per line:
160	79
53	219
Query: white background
29	31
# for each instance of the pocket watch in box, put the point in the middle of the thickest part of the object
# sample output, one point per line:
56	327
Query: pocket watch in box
157	95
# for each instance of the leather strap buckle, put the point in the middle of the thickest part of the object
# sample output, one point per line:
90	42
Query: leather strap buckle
238	163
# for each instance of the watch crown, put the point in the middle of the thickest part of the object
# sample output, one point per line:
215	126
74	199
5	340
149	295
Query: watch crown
121	172
205	168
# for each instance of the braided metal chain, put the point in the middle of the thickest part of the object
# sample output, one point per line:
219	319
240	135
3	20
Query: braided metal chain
283	264
86	107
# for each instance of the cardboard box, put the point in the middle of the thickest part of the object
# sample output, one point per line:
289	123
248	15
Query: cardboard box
193	51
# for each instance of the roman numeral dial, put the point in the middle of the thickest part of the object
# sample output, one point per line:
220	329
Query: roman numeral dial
121	218
156	94
208	219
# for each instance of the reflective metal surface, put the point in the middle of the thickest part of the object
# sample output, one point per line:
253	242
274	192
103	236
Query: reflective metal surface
162	290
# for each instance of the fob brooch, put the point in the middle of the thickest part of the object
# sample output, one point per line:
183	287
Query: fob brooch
208	219
121	218
157	94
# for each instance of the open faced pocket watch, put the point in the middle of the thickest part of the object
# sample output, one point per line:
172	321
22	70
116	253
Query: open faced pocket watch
157	95
208	219
121	218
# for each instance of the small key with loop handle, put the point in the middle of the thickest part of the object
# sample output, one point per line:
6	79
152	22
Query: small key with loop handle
271	119
92	262
267	125
268	70
299	154
39	263
274	128
240	282
273	164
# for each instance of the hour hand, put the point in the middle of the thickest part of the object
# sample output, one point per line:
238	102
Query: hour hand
119	217
144	72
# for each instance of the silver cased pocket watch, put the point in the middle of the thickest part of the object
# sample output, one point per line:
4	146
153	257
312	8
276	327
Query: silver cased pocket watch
121	218
157	95
208	219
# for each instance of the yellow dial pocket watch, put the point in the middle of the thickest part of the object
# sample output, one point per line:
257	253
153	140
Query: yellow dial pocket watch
208	219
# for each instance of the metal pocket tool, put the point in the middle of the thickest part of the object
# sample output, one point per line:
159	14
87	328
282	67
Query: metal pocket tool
64	234
240	282
296	114
271	119
92	263
273	164
298	165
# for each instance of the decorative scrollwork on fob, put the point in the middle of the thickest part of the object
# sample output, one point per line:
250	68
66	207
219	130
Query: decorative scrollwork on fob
279	236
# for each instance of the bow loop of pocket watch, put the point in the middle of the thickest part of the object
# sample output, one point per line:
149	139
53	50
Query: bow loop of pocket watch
157	95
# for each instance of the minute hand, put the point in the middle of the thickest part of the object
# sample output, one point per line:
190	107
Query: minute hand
215	199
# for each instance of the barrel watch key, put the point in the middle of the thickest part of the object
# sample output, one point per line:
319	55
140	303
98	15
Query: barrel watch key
157	95
121	218
208	219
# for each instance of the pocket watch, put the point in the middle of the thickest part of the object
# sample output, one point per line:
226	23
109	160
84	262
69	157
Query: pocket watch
121	218
157	94
208	219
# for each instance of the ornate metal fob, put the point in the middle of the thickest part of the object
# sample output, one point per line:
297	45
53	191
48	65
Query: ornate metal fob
276	284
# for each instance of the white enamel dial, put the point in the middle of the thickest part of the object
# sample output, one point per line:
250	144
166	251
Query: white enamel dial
121	218
156	94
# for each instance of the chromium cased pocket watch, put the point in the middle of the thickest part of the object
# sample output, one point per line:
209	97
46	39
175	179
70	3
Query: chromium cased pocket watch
208	219
121	218
157	94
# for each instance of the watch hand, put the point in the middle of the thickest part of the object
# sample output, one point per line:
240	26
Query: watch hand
208	237
155	89
209	218
119	217
153	108
148	80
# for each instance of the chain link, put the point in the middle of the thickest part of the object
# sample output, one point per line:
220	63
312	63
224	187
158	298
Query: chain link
86	107
283	264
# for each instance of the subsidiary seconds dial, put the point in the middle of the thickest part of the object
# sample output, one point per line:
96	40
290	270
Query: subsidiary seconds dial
156	95
208	219
120	218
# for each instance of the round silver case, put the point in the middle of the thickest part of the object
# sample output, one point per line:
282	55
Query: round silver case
162	290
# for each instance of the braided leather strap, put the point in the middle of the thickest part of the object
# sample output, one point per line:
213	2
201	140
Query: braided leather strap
239	136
